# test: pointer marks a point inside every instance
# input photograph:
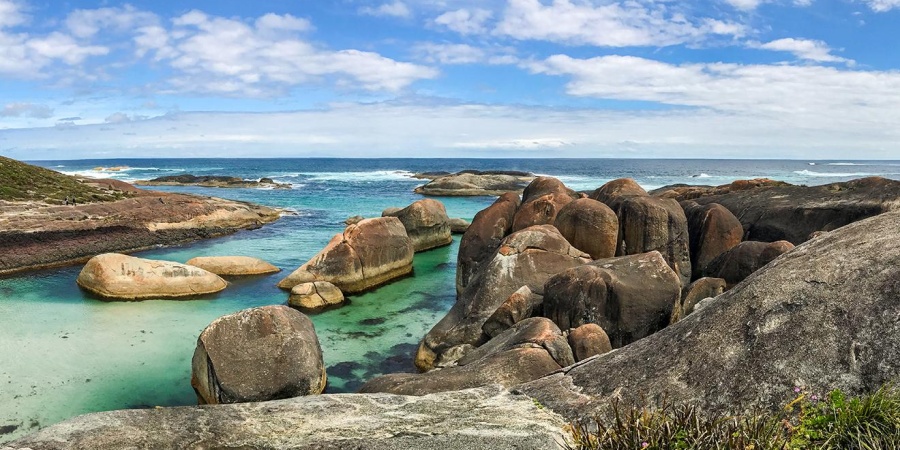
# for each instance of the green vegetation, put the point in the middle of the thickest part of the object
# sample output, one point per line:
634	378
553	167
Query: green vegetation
809	421
20	181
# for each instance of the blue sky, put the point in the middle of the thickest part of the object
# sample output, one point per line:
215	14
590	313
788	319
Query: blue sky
414	78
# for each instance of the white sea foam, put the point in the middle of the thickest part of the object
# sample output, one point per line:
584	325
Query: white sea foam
847	164
703	175
375	175
810	173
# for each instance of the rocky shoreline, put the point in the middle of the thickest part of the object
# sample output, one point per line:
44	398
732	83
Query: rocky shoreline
216	181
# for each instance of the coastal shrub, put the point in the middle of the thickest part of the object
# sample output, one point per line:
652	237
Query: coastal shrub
809	421
20	181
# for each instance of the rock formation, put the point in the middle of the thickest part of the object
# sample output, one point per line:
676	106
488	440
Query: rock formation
426	224
821	317
696	292
541	201
630	297
525	258
655	224
120	277
233	265
315	295
588	340
713	230
742	260
483	237
615	192
258	354
529	350
458	226
367	254
589	226
217	181
516	308
473	183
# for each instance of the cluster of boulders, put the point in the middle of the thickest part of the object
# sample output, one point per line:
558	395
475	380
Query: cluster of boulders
598	271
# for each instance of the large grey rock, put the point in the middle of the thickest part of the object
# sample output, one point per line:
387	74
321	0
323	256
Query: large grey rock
483	237
630	297
488	417
426	224
471	183
525	258
114	276
257	354
823	316
367	254
529	350
315	295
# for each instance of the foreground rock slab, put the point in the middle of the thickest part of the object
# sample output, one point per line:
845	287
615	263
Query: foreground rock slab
258	354
121	277
489	418
233	265
822	316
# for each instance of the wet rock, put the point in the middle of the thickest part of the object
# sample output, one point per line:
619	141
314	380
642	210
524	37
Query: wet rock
525	258
353	220
258	354
589	226
630	297
458	226
315	295
364	256
475	184
233	265
121	277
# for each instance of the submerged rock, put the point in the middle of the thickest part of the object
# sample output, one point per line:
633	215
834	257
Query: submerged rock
489	418
122	277
233	265
367	254
529	350
822	317
257	354
315	295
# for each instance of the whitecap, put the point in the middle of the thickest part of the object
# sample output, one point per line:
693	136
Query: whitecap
810	173
376	175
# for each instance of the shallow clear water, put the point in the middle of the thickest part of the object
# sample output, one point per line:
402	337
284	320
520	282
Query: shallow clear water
63	353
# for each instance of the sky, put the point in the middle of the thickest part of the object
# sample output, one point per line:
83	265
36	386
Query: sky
800	79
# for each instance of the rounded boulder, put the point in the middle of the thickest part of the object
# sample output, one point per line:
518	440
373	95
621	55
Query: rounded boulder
122	277
233	265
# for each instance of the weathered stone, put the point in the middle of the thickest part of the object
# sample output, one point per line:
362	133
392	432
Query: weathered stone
744	259
353	220
233	265
588	340
713	230
390	212
364	256
426	223
589	226
315	295
488	417
822	316
258	354
458	226
655	224
518	307
705	287
122	277
472	183
630	297
529	350
541	202
525	258
483	237
613	193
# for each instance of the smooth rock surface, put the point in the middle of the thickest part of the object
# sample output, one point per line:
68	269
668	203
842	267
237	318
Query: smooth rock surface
822	316
590	226
489	418
528	257
529	350
258	354
367	254
713	230
700	289
474	184
744	259
232	265
630	297
121	277
588	340
516	308
315	295
426	224
613	193
459	226
541	202
483	237
655	224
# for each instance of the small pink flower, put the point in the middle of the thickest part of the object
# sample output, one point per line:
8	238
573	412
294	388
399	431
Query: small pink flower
644	445
797	389
814	397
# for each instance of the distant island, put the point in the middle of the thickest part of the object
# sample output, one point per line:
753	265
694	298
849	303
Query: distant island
216	181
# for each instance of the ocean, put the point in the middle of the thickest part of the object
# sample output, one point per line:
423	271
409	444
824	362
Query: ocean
64	353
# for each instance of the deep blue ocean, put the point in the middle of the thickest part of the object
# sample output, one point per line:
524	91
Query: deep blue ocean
63	353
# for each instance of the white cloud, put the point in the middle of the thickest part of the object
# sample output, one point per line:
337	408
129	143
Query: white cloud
617	24
807	49
118	117
11	14
465	21
286	22
85	23
227	56
395	9
745	5
882	5
23	109
446	53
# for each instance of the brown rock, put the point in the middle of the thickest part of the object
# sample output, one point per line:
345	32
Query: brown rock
541	201
589	226
258	354
122	277
615	192
233	265
529	350
713	230
588	340
483	237
366	255
525	258
630	297
518	307
655	224
703	288
315	295
458	226
744	259
426	223
472	183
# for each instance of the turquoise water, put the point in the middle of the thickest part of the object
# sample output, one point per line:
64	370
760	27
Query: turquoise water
63	353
